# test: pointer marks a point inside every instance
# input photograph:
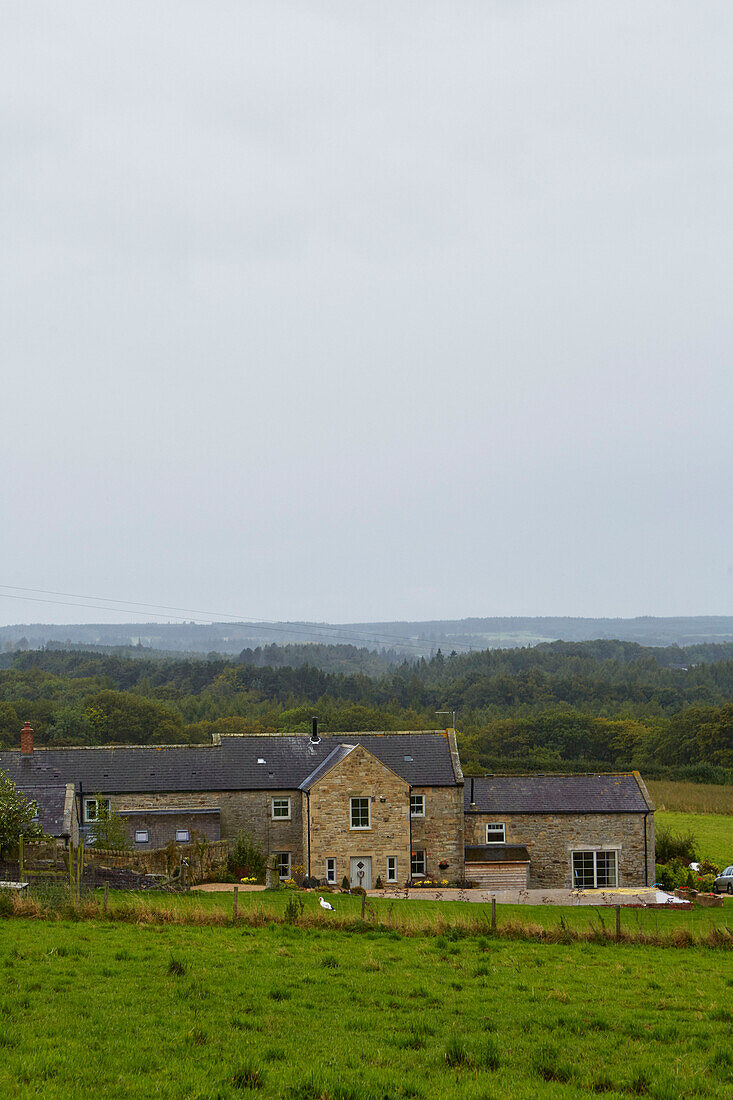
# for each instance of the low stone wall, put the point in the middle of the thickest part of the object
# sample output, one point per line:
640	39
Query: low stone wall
203	860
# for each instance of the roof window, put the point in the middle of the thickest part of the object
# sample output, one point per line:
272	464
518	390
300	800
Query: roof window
261	760
409	759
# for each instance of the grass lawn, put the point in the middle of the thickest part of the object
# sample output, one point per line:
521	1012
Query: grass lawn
713	833
210	1013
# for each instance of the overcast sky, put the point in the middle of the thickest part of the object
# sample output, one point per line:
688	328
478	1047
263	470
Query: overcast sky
367	310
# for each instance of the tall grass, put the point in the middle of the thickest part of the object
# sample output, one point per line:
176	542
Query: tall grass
587	926
691	798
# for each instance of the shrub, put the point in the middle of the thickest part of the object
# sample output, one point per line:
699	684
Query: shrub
675	875
345	884
109	828
246	859
671	846
16	815
294	909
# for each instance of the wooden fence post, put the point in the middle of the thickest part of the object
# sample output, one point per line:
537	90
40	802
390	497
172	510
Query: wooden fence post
493	914
363	904
79	869
106	894
20	857
618	922
235	903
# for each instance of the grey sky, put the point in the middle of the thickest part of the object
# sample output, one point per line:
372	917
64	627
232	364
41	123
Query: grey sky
367	310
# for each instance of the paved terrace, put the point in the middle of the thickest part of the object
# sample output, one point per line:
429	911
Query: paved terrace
623	896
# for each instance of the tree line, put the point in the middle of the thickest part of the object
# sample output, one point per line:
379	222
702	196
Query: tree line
587	705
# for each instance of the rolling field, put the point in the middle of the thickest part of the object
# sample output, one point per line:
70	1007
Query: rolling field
713	833
211	1013
691	798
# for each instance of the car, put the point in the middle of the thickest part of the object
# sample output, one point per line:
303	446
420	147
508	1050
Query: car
724	882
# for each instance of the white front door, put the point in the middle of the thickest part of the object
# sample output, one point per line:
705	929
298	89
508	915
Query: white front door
361	871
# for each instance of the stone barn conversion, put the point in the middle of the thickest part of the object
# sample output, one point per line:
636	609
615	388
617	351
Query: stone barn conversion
574	831
392	807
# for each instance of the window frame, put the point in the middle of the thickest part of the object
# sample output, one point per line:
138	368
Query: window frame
181	838
607	854
417	857
284	859
331	870
142	836
496	825
280	817
391	878
414	798
97	802
360	799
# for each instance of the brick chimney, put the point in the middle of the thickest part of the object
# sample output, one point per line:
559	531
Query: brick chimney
26	739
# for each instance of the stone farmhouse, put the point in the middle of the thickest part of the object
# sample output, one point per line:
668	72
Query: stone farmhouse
365	806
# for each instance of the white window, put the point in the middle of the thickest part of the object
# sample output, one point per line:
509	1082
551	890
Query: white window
141	836
283	864
391	868
330	870
182	836
281	809
94	808
417	805
417	863
360	813
495	833
593	870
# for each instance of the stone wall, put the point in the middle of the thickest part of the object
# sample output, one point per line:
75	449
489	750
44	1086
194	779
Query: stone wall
550	839
204	860
360	775
440	832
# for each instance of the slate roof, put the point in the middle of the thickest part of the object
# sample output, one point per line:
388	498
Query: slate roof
51	806
555	794
422	759
334	757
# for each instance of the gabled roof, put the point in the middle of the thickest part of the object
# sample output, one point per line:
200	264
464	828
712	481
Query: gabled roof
555	794
239	763
334	757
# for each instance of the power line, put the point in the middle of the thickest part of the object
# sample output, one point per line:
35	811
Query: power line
211	616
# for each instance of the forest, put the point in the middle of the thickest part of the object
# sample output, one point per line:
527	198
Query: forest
561	706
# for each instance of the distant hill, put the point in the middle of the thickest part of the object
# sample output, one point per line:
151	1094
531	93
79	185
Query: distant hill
395	640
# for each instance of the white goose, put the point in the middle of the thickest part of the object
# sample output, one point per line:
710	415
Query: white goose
325	904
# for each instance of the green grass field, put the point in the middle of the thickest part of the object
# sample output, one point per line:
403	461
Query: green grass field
713	833
210	1013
